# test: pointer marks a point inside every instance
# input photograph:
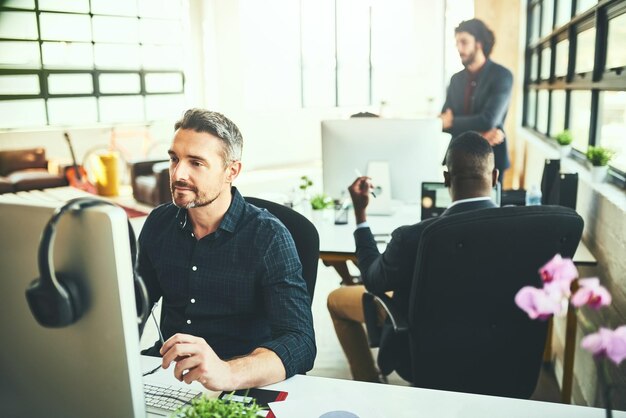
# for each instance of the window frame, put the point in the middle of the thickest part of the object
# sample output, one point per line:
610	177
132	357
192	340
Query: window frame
598	80
43	72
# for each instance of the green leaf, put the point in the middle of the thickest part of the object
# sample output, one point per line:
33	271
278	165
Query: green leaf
564	138
204	407
599	156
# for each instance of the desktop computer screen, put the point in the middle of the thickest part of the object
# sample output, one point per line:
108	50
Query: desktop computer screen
412	149
92	367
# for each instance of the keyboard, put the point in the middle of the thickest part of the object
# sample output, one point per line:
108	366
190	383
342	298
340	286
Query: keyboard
168	398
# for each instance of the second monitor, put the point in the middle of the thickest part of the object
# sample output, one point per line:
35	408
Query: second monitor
412	149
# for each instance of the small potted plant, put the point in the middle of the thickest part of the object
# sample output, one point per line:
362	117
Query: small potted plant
320	203
564	139
599	158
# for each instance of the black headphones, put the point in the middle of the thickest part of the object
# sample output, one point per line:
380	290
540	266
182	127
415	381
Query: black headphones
56	299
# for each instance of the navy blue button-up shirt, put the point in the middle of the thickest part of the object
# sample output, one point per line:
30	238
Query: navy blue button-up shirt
239	288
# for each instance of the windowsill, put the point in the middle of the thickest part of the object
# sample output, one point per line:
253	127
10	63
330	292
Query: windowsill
610	192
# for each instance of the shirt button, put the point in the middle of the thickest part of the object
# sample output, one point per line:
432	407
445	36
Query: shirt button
189	321
193	301
194	268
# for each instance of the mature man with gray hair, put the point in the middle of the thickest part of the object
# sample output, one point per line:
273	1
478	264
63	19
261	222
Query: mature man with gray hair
236	311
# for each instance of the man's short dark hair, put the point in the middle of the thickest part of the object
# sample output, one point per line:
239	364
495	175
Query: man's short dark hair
469	156
480	31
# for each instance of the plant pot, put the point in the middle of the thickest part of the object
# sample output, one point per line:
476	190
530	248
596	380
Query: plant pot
564	151
598	173
322	216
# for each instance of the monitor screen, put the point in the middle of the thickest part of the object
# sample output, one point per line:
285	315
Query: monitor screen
436	198
413	150
92	365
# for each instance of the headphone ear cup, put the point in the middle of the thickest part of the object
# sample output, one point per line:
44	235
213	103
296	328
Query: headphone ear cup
51	308
75	295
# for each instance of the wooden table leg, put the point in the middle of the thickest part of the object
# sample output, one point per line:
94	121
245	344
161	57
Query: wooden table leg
340	263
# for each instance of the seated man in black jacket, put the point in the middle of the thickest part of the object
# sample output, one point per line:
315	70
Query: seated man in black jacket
470	177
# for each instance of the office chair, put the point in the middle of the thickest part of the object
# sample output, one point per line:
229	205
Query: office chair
304	234
464	331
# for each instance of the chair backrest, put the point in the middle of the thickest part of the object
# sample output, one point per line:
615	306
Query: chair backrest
466	332
304	235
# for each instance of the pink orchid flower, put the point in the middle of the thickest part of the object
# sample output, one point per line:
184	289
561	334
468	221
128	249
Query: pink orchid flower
591	293
538	303
557	275
607	343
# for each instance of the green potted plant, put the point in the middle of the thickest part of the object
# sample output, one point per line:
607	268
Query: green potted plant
204	407
599	158
320	203
564	139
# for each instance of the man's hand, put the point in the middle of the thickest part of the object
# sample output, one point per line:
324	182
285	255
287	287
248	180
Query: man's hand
494	136
360	195
196	361
447	118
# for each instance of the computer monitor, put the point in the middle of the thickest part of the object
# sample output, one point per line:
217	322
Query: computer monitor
436	198
92	367
412	148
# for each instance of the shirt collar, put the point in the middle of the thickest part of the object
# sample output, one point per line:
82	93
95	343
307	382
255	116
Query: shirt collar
231	217
471	199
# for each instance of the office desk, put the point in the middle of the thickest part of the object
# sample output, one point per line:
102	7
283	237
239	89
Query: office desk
312	396
337	241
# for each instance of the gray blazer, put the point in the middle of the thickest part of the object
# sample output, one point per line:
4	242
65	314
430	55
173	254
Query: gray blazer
489	103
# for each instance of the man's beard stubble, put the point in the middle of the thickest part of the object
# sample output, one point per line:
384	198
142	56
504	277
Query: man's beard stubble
200	200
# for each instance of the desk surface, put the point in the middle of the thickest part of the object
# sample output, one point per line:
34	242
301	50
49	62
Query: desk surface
313	396
337	241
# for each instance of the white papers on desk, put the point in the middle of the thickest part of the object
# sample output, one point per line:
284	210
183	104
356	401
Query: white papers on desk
316	407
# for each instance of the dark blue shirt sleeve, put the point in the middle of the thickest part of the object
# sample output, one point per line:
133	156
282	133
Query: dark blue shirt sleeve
288	305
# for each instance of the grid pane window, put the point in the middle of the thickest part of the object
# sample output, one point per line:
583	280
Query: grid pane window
534	34
562	56
583	5
18	25
19	84
76	6
616	52
545	63
585	47
592	102
557	112
67	55
542	111
115	29
90	61
580	118
19	55
70	84
563	12
532	108
534	65
21	4
613	126
65	27
546	17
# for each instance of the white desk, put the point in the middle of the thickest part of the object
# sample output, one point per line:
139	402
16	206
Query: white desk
313	396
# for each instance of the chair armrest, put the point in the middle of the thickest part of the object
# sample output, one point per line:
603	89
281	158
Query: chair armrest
370	313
